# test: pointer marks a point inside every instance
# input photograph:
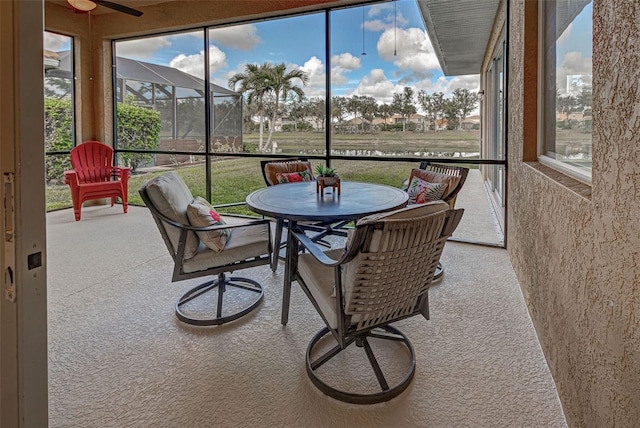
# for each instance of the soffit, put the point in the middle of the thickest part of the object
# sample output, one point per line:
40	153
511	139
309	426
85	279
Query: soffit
277	5
459	31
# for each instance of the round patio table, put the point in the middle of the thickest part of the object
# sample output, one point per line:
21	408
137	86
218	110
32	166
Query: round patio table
300	202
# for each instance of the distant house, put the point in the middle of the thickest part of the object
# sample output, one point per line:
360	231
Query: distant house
414	118
471	123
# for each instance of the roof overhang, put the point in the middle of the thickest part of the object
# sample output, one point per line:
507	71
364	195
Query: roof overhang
459	32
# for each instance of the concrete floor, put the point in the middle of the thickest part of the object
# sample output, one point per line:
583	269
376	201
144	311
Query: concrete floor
118	357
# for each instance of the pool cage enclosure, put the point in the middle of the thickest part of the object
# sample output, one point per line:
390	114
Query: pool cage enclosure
179	98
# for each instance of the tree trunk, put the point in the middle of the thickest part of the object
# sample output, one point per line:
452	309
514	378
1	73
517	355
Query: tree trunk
273	124
260	139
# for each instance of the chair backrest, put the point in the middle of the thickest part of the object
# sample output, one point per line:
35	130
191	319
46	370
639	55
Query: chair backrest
270	168
169	196
454	176
92	161
391	260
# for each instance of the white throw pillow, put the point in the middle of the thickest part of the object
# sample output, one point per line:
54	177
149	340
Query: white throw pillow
202	214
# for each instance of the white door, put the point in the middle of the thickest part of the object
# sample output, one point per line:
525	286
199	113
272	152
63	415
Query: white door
23	293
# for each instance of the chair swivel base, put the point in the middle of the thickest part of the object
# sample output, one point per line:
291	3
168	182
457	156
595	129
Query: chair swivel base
221	285
439	272
387	392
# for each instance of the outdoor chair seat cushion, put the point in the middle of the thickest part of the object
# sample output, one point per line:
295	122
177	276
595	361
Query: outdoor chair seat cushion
171	197
319	278
244	243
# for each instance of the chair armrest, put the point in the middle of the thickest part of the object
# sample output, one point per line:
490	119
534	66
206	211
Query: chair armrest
122	172
205	228
257	222
70	177
232	204
315	250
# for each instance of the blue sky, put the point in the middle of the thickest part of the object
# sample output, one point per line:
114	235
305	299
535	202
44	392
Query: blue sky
574	50
298	42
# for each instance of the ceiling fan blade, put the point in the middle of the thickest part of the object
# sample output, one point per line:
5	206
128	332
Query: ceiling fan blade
118	7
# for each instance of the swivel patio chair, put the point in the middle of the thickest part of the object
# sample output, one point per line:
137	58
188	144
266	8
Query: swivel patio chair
382	276
445	181
289	170
95	177
203	243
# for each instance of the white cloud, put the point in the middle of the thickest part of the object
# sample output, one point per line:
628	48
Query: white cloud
314	68
470	82
448	85
376	85
414	52
142	48
573	64
379	9
342	64
194	64
346	61
386	23
56	42
243	37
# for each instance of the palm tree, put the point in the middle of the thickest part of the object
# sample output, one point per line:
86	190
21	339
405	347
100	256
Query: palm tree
280	83
253	82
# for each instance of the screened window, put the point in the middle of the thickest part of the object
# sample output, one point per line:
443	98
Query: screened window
58	115
566	101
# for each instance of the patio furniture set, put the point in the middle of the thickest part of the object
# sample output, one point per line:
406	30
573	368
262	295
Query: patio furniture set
392	240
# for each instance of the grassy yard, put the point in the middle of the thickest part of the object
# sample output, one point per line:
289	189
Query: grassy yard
389	142
234	178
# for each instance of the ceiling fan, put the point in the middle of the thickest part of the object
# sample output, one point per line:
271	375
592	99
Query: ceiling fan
87	5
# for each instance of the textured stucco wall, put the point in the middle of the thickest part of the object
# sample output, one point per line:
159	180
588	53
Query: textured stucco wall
577	257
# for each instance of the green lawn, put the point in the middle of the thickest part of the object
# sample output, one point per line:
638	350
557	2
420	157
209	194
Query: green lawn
234	178
445	141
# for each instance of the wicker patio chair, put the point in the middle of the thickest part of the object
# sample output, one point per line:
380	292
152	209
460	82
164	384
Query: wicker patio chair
382	276
452	176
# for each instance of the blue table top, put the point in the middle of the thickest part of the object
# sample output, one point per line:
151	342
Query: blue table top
301	202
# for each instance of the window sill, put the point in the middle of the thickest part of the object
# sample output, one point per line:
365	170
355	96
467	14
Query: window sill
573	184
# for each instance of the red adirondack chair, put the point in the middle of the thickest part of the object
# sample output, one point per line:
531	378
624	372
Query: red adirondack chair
94	176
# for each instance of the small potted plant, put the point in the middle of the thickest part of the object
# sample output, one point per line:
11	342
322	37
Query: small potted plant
326	177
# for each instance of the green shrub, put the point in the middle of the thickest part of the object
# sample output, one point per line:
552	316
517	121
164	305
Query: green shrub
250	148
138	128
58	136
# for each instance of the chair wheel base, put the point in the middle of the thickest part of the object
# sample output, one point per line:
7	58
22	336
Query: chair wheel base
387	392
220	284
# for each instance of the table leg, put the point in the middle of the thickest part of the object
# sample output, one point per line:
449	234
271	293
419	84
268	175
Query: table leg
289	271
